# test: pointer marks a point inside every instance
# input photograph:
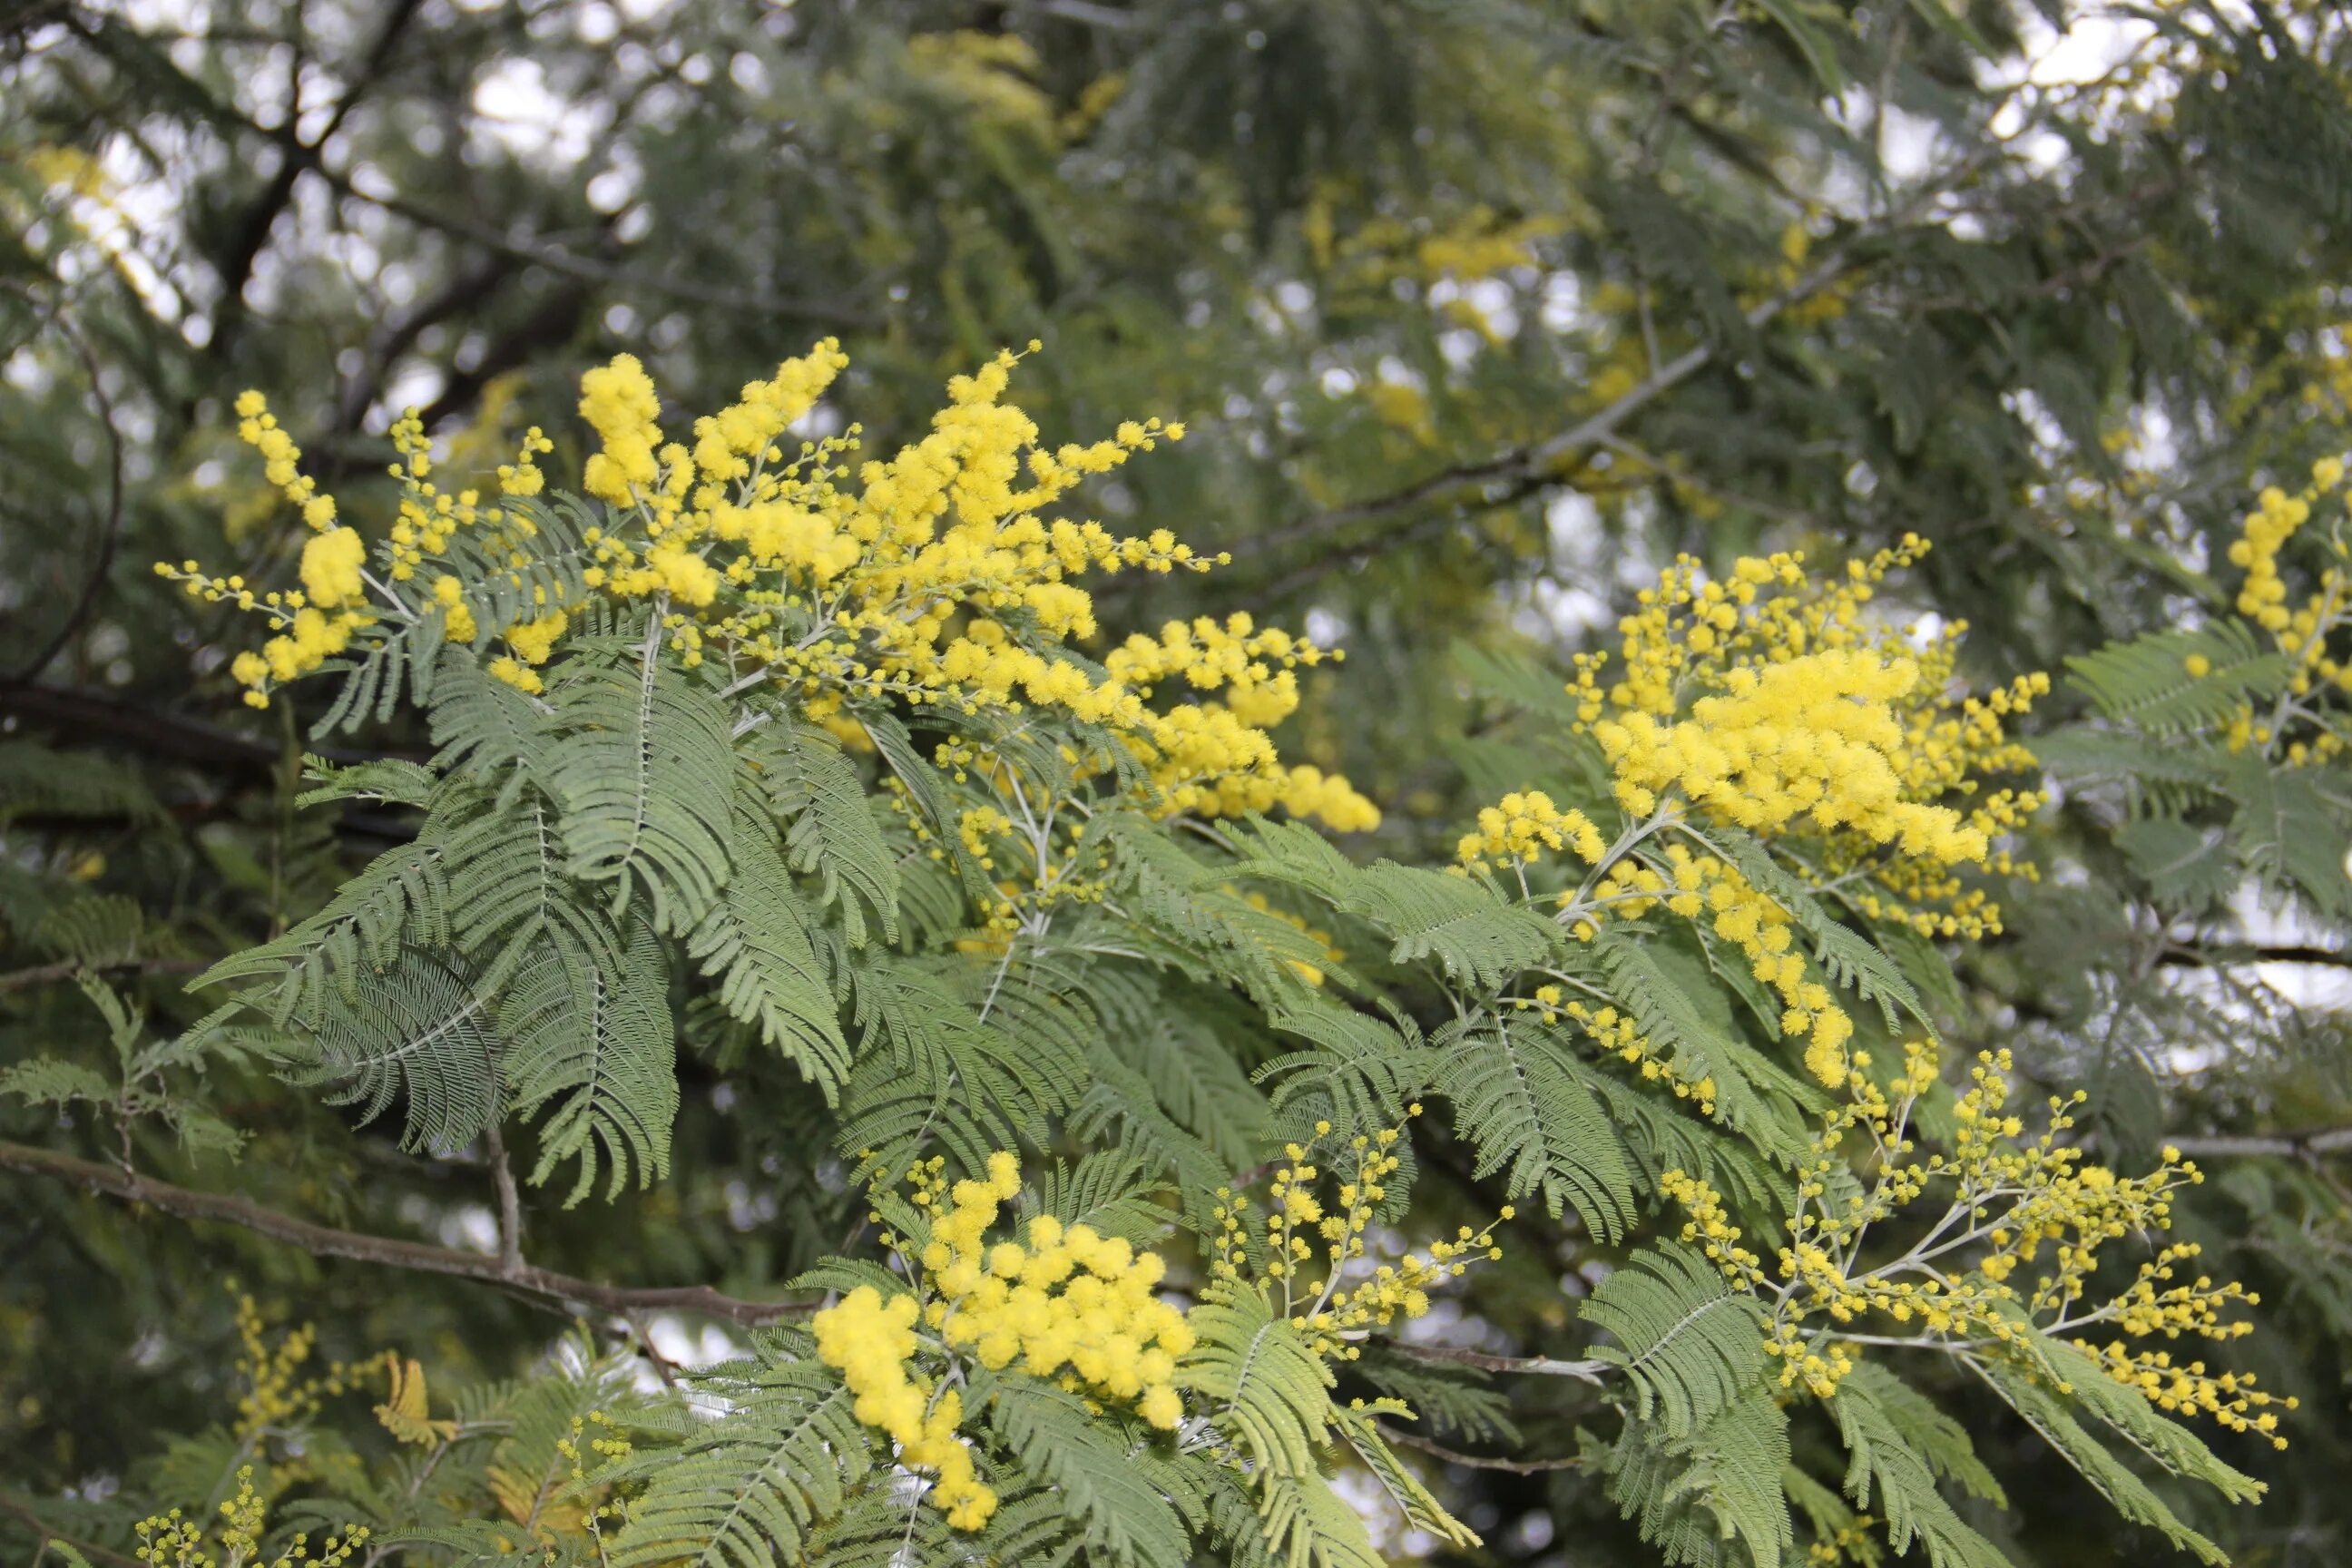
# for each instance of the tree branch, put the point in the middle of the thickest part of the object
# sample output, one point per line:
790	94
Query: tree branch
1514	470
1590	1371
42	1531
251	234
323	1241
87	716
2252	952
110	530
1476	1461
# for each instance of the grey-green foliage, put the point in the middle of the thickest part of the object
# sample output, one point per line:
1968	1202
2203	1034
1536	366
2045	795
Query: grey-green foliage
2203	811
747	1491
1689	1344
1903	1447
1520	1087
2059	1384
1711	1498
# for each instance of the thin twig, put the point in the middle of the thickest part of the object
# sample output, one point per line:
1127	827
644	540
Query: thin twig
324	1241
110	532
1516	469
2318	1141
1590	1371
89	1549
1476	1461
509	1201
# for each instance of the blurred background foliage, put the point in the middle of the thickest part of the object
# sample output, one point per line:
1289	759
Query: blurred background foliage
1480	310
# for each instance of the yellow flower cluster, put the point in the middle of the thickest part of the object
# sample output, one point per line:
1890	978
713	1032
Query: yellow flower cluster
332	568
172	1540
277	1393
871	1341
331	571
1297	1226
936	577
1071	1305
1518	828
1071	1298
620	404
1812	737
1770	702
1775	701
2013	1256
2302	633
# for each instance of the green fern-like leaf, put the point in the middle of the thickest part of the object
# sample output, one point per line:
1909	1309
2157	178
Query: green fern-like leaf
511	900
1754	1096
2145	681
1421	1508
401	900
2285	831
1712	1497
1054	1438
645	774
47	1080
2031	1390
1266	1391
1901	1444
420	1034
832	830
2186	866
754	943
1460	925
1690	1344
593	1048
1521	1099
747	1492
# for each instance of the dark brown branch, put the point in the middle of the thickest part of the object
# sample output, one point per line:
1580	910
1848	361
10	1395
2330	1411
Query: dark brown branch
1516	471
323	1241
1476	1461
462	292
251	234
2252	952
43	1530
86	716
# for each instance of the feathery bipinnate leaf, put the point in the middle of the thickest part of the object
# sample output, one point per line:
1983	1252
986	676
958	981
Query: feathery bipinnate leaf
1902	1445
1520	1099
1711	1498
754	943
1472	935
831	833
2147	682
644	772
419	1033
2067	1382
594	1048
1688	1343
1094	1470
747	1491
